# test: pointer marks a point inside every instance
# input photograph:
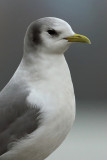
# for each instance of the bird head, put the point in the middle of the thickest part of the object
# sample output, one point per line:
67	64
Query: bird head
51	35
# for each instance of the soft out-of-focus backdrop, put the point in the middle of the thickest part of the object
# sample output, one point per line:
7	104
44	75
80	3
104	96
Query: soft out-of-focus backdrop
88	65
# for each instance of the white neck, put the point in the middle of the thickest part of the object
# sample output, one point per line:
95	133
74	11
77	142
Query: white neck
43	64
40	67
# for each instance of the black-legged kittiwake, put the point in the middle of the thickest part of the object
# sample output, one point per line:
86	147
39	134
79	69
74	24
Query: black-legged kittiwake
37	106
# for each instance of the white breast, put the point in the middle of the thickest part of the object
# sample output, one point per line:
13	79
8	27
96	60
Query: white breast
55	96
53	91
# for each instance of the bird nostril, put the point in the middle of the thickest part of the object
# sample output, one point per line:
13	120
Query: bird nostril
79	36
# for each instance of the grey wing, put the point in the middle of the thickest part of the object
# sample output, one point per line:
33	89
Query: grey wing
17	119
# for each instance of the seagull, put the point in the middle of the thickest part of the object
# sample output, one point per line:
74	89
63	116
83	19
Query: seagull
37	106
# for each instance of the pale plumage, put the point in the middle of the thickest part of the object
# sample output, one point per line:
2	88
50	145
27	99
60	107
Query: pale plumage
37	106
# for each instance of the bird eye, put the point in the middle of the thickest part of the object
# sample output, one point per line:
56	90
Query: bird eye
52	32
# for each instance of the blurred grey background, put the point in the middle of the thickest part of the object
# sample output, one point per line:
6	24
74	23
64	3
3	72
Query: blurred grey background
88	65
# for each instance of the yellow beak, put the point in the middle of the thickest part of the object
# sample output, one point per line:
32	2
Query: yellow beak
78	38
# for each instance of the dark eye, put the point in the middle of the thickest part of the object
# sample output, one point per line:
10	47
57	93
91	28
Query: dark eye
52	32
